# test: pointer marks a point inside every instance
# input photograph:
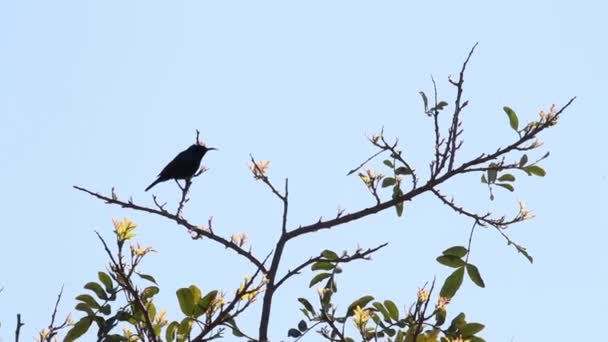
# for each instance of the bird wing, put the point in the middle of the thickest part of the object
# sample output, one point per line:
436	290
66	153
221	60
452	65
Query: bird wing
178	163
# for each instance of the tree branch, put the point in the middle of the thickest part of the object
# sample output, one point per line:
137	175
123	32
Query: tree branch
182	222
357	255
431	183
18	329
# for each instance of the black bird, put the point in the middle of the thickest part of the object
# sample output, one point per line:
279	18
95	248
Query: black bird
184	165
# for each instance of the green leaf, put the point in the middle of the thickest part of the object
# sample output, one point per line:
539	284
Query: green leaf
196	293
425	100
441	105
235	329
458	251
84	307
204	302
302	326
513	120
147	277
171	330
459	321
294	333
89	300
535	170
507	177
398	206
450	261
322	265
399	209
475	276
184	328
476	339
484	179
523	160
307	305
101	294
236	332
330	255
388	181
402	170
392	309
523	251
471	329
319	277
186	301
400	336
149	292
440	316
385	314
106	309
123	316
389	163
79	329
452	283
492	172
506	186
361	302
106	280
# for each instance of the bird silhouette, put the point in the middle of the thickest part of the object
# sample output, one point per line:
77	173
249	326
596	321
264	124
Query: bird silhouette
184	165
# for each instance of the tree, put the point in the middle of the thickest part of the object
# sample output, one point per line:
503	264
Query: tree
123	296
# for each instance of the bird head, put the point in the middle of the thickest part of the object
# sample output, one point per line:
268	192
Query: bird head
201	149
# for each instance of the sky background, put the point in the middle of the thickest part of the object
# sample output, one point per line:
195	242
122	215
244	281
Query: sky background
103	94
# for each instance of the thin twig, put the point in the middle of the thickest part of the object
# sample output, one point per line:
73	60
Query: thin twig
466	260
262	176
285	206
454	131
365	162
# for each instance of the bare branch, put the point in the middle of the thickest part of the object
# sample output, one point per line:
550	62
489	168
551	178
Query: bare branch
180	221
18	329
364	255
454	130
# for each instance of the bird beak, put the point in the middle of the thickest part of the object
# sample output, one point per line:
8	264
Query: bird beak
212	149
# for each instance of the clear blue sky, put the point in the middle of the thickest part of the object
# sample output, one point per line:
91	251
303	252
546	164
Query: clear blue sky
102	94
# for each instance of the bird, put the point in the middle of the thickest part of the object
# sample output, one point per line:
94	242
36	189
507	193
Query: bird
184	165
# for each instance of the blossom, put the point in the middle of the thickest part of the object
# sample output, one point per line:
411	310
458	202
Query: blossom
259	169
246	294
442	302
524	214
537	143
322	291
550	117
361	317
124	229
370	177
423	295
161	318
140	251
239	239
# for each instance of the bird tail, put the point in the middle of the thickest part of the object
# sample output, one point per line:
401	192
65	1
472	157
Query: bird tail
154	183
